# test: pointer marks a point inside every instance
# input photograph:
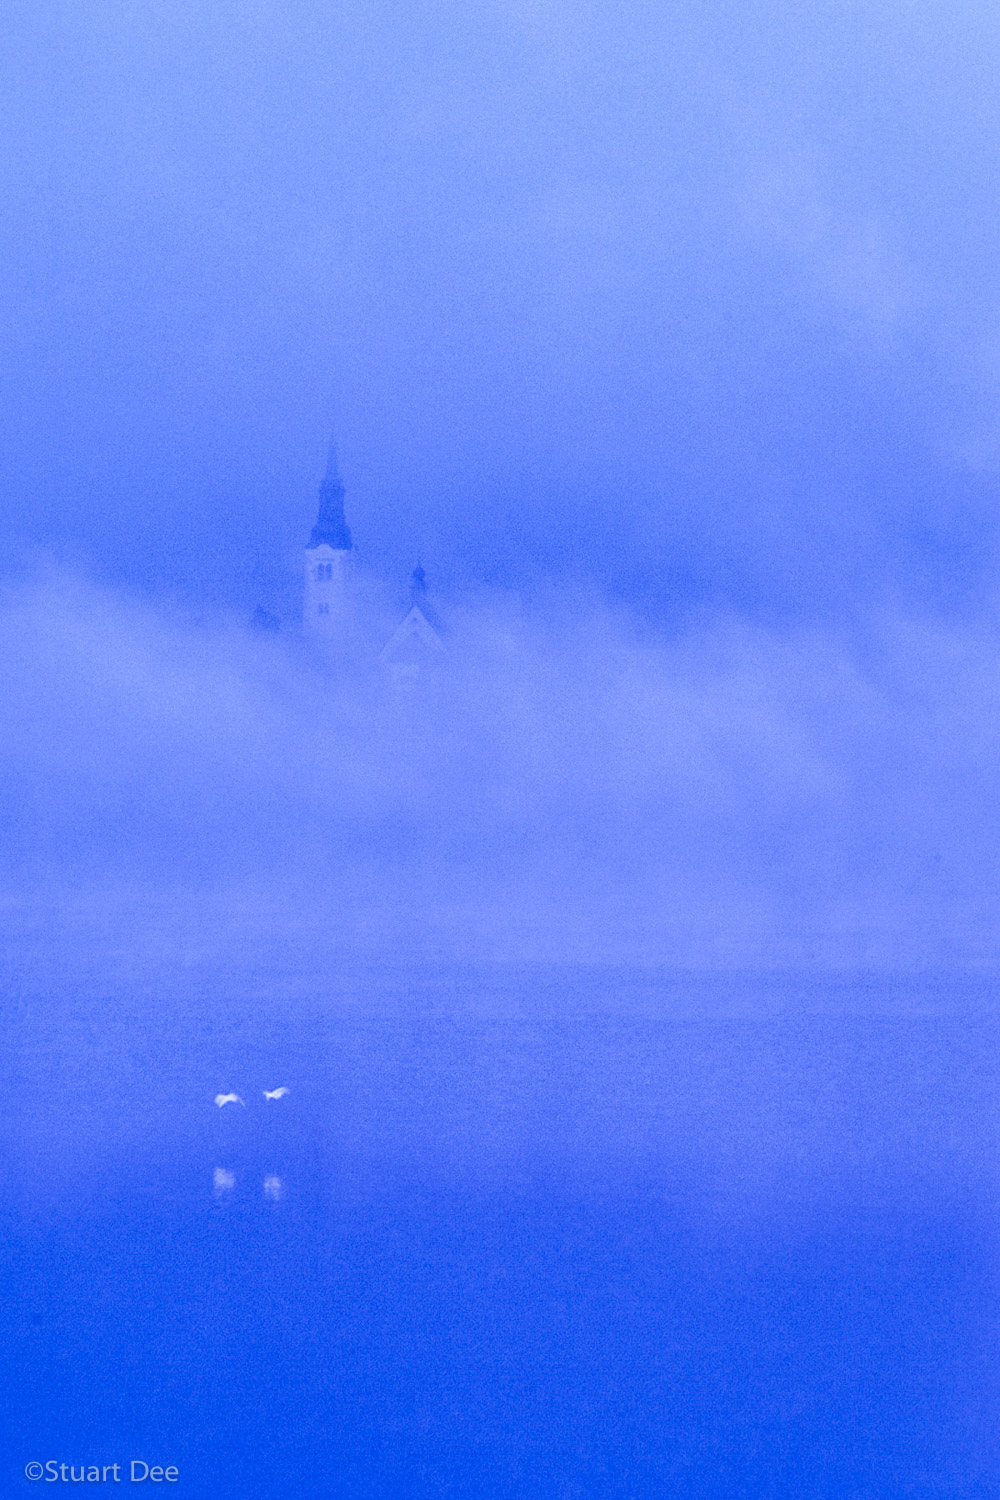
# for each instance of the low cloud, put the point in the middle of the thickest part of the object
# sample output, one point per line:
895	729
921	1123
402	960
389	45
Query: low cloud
571	783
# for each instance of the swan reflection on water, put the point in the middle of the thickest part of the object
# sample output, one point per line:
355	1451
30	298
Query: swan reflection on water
223	1181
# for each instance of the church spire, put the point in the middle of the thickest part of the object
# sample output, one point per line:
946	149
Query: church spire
331	527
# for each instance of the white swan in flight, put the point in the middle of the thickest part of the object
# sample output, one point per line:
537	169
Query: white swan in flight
275	1093
222	1099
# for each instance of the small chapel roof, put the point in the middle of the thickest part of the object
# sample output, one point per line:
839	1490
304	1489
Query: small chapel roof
415	638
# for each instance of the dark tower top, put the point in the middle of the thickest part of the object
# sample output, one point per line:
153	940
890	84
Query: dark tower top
331	527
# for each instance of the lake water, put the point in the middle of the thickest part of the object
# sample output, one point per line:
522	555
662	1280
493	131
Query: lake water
529	1231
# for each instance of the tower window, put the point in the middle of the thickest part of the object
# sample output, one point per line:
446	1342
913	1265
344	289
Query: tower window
322	609
324	572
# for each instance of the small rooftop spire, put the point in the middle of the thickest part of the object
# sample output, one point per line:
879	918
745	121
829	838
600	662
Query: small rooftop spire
331	526
419	599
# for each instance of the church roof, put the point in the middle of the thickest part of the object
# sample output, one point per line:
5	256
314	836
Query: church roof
331	526
414	637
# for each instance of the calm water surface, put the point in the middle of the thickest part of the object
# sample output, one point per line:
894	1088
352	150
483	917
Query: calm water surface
538	1231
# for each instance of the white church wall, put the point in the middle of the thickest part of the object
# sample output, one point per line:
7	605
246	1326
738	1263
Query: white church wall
327	598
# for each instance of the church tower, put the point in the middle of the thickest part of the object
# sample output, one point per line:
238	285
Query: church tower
326	603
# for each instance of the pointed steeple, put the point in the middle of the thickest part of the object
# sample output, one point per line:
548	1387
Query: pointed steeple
331	526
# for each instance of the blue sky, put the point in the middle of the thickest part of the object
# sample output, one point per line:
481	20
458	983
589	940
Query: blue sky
686	304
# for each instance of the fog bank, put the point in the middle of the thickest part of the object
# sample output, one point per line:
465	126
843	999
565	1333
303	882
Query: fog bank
570	784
